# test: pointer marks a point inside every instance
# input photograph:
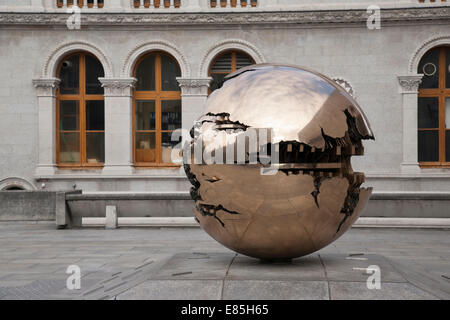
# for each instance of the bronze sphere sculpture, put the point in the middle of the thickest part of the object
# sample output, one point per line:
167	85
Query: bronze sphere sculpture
295	192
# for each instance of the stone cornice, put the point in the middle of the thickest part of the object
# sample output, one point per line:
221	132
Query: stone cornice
247	18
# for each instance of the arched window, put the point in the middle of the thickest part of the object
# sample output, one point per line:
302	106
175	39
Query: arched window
80	112
226	63
156	109
434	108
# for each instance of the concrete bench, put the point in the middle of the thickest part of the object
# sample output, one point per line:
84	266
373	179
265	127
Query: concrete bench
413	204
68	208
125	204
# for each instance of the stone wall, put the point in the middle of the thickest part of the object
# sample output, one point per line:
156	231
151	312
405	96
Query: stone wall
369	60
27	205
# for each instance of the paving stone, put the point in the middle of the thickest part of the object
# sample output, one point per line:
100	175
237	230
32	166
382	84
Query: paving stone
39	289
34	259
306	268
349	268
275	290
17	267
33	276
195	265
421	277
175	289
388	291
15	283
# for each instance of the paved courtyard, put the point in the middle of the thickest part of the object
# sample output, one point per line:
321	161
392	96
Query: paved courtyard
145	263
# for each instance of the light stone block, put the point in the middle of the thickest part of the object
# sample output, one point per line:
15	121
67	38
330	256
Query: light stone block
111	217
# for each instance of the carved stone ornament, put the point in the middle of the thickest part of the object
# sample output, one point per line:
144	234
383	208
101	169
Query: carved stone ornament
194	87
410	84
46	87
295	17
118	87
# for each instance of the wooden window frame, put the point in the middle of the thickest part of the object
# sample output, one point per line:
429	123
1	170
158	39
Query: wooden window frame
158	96
441	93
81	98
234	53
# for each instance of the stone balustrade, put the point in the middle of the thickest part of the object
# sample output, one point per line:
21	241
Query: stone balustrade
432	1
152	5
156	4
80	3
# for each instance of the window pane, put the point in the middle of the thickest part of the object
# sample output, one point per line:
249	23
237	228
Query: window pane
217	81
171	114
95	147
145	115
428	145
69	147
145	147
69	75
447	145
94	70
428	112
169	72
447	67
447	113
429	66
68	115
222	64
145	74
168	145
242	60
95	115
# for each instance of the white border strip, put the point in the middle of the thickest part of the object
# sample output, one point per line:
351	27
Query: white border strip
187	222
366	222
143	222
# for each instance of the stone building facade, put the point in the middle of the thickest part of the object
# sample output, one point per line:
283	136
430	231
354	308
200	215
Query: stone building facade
381	67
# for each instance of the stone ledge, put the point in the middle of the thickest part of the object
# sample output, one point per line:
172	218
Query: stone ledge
180	195
438	223
102	176
244	18
129	196
363	222
158	222
413	195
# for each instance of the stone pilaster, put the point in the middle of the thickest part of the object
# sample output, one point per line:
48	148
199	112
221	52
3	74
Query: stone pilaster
409	88
46	94
118	125
194	92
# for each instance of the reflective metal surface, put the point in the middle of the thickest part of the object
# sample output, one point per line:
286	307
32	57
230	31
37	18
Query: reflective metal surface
313	197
